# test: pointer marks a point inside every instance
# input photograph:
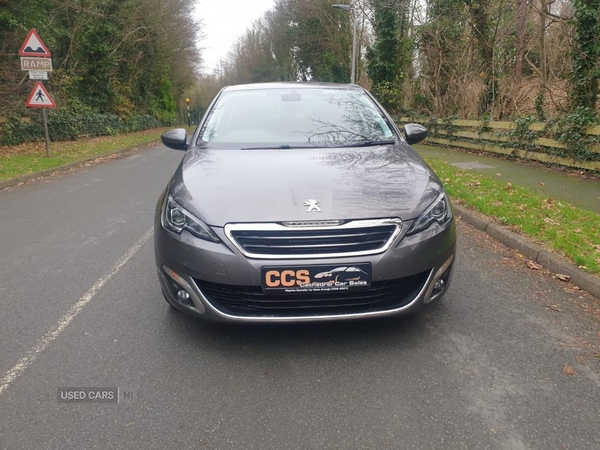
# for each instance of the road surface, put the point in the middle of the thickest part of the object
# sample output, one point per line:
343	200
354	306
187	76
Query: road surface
509	360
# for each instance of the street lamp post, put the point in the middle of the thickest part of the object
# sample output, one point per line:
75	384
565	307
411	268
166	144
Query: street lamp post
348	8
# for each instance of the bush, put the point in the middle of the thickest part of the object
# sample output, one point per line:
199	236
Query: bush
65	125
14	131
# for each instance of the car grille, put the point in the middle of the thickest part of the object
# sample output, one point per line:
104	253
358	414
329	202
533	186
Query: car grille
251	301
277	241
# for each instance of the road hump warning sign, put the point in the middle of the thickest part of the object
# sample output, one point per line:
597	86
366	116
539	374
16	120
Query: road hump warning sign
34	46
39	97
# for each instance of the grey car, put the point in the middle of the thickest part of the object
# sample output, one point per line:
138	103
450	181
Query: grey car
301	202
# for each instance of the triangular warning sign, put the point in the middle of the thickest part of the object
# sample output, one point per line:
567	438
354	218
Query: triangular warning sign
39	97
34	46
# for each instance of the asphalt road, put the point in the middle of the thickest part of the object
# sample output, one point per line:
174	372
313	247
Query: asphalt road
509	360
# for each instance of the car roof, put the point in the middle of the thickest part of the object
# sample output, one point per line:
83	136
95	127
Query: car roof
291	85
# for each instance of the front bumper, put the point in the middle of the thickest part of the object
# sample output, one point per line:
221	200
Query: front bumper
184	261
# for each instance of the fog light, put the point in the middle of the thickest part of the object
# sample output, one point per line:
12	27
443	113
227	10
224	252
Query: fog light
185	293
442	277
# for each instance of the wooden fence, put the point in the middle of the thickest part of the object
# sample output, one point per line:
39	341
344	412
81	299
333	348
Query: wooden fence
499	137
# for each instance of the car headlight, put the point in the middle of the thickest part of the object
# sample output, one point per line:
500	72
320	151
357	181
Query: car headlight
439	211
177	219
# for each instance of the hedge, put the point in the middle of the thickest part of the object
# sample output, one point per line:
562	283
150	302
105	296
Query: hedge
64	125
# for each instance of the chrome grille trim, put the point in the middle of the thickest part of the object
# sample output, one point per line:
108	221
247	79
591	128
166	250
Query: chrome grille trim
345	231
314	223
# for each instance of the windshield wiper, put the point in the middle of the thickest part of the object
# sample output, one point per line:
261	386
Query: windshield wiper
367	143
278	147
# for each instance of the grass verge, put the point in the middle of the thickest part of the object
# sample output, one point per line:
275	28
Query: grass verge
570	230
31	157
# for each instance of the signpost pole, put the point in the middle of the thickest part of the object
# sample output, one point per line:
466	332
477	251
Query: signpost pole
45	120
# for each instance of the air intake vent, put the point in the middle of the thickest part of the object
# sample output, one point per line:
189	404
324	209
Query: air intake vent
252	301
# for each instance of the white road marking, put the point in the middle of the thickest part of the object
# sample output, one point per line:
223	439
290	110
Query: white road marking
51	335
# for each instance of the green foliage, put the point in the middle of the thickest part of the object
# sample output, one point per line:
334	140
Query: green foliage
421	102
485	124
15	131
570	130
163	104
389	58
484	35
449	127
586	54
332	69
389	94
64	125
540	102
321	59
117	62
521	132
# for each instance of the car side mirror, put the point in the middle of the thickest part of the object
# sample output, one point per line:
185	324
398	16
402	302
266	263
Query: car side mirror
415	133
176	139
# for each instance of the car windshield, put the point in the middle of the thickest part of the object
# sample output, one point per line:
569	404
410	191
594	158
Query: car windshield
286	118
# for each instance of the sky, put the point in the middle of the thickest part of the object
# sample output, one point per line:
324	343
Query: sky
224	22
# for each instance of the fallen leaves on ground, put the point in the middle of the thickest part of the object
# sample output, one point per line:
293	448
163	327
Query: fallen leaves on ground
29	147
533	265
554	308
568	370
562	277
547	203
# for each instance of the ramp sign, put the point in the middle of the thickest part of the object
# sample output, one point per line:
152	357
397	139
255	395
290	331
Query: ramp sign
34	46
